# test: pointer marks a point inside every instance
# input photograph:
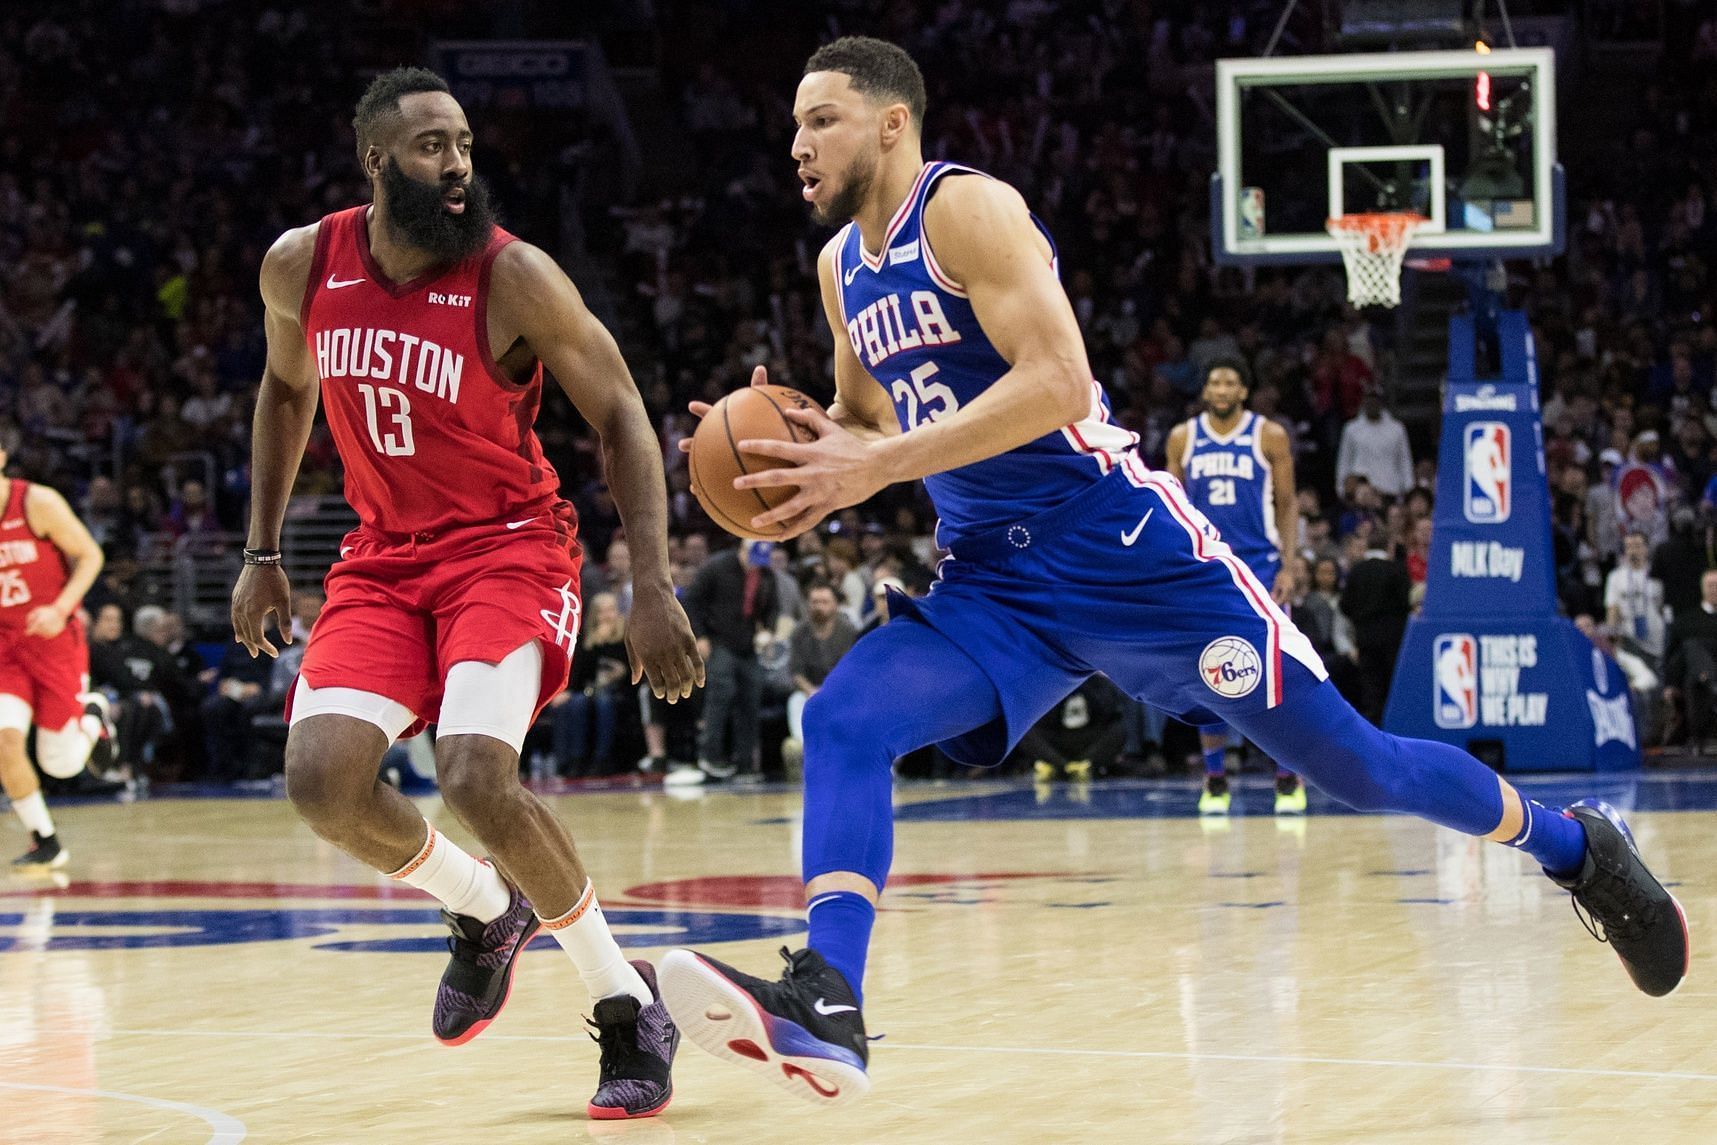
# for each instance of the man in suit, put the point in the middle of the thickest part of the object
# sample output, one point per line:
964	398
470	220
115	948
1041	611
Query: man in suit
1690	665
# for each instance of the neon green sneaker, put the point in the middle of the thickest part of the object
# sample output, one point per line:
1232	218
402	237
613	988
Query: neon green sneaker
1215	799
1290	795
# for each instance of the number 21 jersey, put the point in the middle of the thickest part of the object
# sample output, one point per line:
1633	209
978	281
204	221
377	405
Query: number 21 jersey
432	433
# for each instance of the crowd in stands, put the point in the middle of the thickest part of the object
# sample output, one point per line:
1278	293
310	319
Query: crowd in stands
150	151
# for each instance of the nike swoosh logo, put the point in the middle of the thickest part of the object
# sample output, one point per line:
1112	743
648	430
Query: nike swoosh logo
825	1009
520	524
335	283
1129	537
850	275
345	552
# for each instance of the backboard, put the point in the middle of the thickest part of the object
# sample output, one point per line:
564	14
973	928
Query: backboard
1465	138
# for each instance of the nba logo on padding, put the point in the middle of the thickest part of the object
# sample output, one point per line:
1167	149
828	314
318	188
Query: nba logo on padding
1455	667
1230	666
1488	458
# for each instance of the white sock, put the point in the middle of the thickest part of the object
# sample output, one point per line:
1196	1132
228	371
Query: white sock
33	810
583	933
462	883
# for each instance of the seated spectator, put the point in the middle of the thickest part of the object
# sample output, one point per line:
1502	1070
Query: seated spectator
246	711
147	682
1643	682
816	646
191	512
842	559
1690	661
1080	737
613	575
585	716
1633	600
879	602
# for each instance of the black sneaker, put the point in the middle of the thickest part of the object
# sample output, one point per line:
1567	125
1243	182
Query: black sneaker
804	1032
638	1044
45	853
479	975
1641	921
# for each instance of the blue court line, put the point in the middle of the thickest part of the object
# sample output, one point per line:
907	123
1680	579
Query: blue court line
1658	790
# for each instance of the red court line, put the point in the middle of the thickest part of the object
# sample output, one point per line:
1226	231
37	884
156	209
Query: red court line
788	891
190	888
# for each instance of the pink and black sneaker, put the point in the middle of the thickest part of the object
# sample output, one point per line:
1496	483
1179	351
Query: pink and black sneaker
479	975
638	1045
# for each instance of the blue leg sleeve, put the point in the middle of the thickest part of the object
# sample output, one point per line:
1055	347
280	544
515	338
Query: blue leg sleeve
1320	736
902	687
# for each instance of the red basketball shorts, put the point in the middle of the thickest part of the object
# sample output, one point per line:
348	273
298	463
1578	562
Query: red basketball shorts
402	611
46	674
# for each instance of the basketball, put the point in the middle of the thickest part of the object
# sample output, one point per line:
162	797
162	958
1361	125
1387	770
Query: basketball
755	412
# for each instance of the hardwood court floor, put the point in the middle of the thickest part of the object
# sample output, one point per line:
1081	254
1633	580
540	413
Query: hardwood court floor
1051	967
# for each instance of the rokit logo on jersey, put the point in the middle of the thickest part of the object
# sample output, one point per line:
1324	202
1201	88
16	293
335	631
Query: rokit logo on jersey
1230	667
1488	459
1455	668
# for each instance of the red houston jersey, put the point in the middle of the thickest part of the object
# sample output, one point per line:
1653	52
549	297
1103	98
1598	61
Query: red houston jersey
32	570
433	435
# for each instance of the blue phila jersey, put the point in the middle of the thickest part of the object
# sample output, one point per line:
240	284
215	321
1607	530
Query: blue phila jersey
1228	478
913	329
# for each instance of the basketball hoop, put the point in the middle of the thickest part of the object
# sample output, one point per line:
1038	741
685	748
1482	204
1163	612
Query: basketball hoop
1372	247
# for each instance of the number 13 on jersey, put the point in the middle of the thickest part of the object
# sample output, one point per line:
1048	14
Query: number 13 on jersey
918	395
379	400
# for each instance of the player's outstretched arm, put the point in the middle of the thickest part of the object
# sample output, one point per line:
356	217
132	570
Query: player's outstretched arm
532	299
280	429
51	518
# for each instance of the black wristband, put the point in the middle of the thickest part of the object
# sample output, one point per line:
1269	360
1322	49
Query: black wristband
262	556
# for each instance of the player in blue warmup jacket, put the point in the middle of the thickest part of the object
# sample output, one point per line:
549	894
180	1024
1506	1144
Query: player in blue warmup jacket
958	361
1238	471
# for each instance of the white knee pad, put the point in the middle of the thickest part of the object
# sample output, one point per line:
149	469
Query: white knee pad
15	713
391	716
62	754
494	700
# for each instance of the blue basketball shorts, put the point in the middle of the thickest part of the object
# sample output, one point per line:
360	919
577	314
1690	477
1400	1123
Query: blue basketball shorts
1127	579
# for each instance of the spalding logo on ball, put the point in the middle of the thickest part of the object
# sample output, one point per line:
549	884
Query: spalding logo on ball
1229	665
752	414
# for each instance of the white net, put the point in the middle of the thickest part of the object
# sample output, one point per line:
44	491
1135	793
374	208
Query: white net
1372	247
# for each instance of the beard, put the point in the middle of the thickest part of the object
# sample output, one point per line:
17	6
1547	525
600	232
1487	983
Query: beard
858	177
417	214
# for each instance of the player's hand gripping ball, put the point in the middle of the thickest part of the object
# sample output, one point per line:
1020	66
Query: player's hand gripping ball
753	413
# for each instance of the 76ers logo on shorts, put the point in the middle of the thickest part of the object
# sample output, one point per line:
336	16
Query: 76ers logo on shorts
1230	667
1488	458
1455	669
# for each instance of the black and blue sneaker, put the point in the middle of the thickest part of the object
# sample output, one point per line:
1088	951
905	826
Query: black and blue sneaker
804	1032
1641	920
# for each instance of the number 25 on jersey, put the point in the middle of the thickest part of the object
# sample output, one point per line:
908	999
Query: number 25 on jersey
924	399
